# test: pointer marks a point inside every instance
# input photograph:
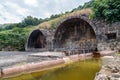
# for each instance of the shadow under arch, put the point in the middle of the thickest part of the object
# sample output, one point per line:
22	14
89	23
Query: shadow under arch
75	33
36	40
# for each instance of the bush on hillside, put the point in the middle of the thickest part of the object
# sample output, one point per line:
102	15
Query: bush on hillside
30	21
14	38
109	10
88	4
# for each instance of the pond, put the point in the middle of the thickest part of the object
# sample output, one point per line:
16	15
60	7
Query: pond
81	70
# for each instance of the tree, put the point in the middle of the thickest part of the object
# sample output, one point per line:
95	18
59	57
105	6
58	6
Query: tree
109	10
15	38
30	21
88	4
54	16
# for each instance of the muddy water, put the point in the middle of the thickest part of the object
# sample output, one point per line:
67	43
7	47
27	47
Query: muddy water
81	70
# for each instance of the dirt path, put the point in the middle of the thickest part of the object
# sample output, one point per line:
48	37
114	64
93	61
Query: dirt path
8	59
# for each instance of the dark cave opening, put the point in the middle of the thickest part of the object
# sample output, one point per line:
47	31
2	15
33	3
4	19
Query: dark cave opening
36	40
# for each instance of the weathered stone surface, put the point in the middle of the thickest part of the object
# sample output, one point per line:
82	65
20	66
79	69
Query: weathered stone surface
115	76
101	76
110	69
82	33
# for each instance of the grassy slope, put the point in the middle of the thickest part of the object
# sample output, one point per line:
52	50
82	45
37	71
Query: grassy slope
53	23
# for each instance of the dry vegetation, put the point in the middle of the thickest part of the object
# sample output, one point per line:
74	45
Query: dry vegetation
52	23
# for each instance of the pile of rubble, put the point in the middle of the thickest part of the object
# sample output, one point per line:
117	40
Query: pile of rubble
110	69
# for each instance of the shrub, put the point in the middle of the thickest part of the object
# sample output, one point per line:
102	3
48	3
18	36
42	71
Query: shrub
15	38
109	10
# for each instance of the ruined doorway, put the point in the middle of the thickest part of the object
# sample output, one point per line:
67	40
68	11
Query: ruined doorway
76	34
36	40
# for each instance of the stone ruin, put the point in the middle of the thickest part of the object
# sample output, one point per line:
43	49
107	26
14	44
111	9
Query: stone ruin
77	34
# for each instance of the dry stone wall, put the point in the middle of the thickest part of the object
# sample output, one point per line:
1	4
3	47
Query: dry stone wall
107	35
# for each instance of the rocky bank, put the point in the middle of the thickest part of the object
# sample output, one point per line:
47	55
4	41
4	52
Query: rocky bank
110	69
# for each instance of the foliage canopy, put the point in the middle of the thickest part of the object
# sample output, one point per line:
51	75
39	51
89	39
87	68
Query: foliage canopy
15	38
109	10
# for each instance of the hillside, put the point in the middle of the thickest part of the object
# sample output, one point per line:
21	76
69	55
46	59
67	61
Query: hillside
52	23
15	35
15	38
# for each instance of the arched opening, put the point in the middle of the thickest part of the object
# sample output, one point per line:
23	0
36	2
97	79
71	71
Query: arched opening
36	40
76	34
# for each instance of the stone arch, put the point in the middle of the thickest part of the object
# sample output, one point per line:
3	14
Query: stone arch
75	32
36	40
